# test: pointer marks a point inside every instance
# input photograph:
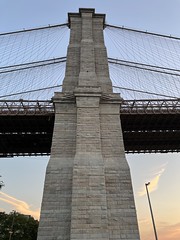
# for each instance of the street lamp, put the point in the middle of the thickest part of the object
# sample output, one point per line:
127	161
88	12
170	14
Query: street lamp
155	233
1	184
12	225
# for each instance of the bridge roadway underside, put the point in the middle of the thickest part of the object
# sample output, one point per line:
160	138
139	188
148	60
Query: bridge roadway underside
23	135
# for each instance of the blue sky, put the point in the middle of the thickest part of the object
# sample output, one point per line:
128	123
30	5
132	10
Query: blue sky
24	177
161	16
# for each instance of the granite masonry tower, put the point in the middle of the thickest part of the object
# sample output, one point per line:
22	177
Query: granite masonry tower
88	192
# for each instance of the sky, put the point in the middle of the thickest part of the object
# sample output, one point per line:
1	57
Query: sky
24	177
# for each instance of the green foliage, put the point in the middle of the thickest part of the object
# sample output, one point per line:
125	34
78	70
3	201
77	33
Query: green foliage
19	226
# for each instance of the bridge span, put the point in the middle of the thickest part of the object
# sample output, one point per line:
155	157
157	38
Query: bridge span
88	126
26	127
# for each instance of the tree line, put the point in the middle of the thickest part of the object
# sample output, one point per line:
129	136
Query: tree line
17	226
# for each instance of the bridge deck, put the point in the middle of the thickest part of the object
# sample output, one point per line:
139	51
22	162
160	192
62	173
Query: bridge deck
26	127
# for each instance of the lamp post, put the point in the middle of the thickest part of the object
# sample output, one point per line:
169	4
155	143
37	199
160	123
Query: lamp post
1	184
12	225
155	232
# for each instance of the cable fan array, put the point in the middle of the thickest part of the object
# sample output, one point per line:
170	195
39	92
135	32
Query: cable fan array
25	72
144	65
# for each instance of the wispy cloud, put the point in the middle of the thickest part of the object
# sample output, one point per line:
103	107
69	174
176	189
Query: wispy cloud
154	181
19	205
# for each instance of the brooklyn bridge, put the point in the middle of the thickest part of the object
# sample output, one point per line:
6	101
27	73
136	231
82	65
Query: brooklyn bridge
86	110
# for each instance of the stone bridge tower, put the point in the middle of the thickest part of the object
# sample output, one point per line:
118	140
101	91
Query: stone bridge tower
88	191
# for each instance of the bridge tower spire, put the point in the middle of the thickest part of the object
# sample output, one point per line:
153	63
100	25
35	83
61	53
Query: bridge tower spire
88	192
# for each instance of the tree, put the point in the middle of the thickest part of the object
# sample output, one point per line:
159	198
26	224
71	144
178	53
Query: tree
16	226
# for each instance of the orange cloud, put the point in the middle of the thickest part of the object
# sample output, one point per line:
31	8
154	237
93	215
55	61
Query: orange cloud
19	205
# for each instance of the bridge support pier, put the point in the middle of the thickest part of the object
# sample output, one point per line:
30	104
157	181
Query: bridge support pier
88	191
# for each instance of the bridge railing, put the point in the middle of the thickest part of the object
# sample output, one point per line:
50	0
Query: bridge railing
25	107
37	107
149	106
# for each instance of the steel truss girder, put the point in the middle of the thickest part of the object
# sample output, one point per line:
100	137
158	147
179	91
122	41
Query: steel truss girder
26	127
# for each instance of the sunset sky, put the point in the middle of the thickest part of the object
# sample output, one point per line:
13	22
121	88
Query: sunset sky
24	177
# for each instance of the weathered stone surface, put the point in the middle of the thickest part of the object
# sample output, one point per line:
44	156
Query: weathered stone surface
88	192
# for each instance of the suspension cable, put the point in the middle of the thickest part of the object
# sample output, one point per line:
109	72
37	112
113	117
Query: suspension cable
141	91
138	65
30	91
39	64
34	29
140	31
